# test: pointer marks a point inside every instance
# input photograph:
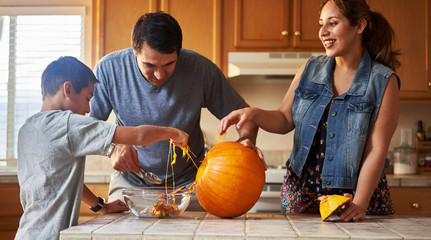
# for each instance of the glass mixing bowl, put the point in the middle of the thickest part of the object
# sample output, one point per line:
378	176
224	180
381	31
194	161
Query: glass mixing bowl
157	201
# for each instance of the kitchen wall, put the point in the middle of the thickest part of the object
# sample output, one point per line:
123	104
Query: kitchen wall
268	93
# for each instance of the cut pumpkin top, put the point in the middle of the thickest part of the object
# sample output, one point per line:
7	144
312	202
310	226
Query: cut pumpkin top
330	203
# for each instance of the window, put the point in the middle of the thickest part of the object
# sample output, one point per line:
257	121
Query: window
31	38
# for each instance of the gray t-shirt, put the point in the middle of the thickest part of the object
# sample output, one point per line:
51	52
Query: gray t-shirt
196	83
51	157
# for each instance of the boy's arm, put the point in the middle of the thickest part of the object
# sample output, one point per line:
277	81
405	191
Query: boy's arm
148	134
92	201
124	158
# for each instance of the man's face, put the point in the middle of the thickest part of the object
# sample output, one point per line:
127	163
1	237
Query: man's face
154	66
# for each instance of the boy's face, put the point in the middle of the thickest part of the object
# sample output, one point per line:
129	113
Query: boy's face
80	103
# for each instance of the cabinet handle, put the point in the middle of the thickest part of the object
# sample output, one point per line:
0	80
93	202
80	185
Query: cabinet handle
415	205
284	33
429	84
297	33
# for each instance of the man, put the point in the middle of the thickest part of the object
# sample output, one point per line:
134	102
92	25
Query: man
157	82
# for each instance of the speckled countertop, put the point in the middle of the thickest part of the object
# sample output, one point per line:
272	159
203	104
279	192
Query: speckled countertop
272	176
200	225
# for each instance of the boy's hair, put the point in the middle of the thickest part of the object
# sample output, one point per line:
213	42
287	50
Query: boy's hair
160	31
66	69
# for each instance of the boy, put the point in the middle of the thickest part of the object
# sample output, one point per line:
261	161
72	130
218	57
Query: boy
52	146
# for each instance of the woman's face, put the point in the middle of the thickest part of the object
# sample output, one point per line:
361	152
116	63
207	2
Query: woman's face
337	35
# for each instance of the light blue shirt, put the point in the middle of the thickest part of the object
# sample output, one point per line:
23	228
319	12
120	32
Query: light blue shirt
350	120
52	146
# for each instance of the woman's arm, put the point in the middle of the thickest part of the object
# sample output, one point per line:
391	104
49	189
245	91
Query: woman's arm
276	121
375	152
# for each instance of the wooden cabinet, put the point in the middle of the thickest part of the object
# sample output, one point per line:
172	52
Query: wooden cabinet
275	24
411	200
216	27
413	41
12	210
200	22
115	21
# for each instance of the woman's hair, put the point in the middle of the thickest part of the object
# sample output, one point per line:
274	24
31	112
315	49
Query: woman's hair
160	31
66	69
378	36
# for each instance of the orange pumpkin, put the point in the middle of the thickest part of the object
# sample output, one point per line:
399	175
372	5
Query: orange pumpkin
229	180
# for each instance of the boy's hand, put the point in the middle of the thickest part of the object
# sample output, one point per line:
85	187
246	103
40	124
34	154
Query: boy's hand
113	207
181	139
124	158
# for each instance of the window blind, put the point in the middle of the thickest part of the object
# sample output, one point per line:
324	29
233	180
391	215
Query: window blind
28	43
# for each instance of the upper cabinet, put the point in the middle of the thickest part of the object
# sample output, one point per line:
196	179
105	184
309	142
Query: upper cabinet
275	24
410	21
216	27
200	22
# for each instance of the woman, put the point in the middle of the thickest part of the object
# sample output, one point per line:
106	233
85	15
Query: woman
344	108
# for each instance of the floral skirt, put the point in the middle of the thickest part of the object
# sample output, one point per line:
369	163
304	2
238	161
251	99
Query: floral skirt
299	193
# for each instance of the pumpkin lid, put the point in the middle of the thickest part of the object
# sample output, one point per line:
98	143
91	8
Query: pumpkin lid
330	203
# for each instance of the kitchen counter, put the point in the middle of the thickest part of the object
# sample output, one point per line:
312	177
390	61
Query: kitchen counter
10	176
201	225
272	176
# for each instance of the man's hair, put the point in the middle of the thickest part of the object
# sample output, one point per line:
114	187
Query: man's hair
160	31
66	69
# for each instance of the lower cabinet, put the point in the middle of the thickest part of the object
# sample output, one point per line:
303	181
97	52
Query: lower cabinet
12	210
411	200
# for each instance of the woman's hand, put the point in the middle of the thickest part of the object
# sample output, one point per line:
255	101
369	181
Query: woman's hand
124	158
238	117
352	211
114	207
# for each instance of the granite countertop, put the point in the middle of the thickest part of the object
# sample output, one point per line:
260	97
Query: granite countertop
201	225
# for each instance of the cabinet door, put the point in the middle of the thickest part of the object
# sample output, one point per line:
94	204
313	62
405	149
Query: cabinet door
117	21
410	21
261	23
306	24
411	201
200	22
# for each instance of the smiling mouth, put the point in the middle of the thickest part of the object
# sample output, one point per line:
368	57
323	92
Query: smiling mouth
328	43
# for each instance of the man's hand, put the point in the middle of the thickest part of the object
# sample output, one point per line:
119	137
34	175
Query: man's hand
246	142
113	207
124	158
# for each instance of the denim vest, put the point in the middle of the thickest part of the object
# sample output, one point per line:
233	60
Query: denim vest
350	119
